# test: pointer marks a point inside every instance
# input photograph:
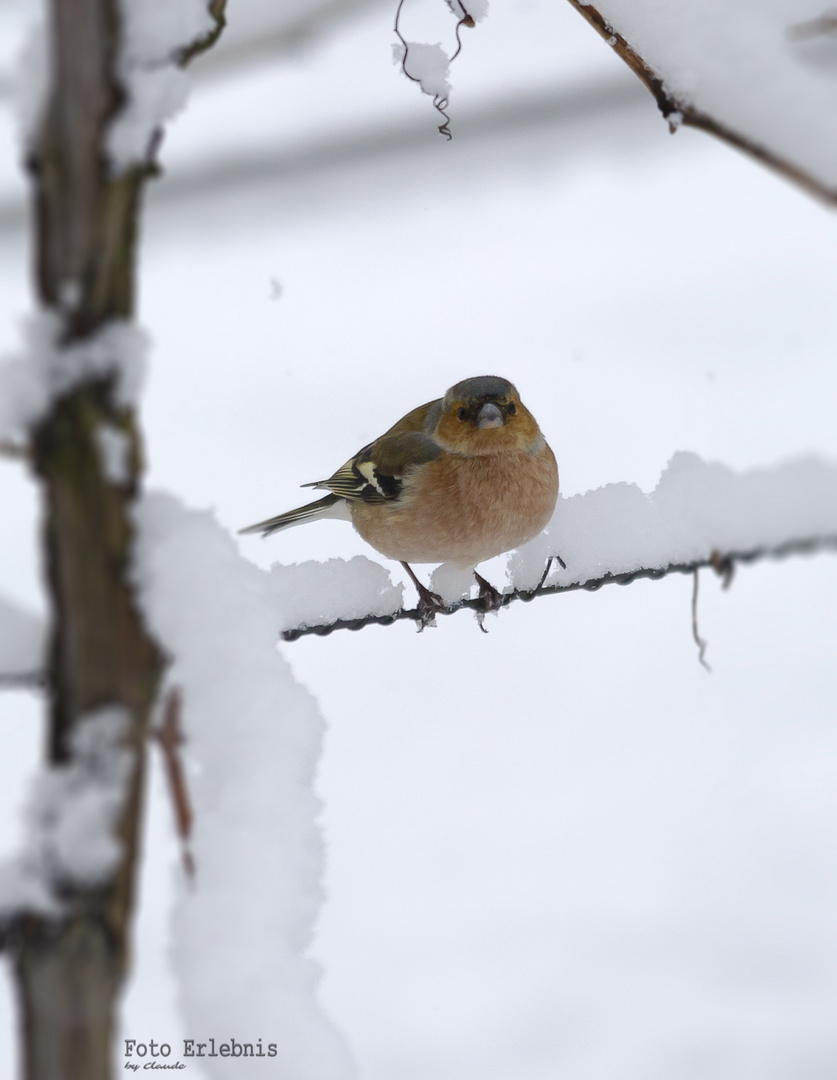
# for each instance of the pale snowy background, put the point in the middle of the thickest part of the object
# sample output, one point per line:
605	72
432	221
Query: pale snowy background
563	848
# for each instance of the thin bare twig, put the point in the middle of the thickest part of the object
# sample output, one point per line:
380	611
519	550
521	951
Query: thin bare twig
16	451
217	10
170	738
466	20
22	680
699	641
715	560
819	27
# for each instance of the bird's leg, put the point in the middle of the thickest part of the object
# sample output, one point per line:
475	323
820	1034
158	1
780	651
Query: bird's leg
430	603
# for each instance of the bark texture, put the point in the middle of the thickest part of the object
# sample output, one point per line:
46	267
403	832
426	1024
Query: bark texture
70	969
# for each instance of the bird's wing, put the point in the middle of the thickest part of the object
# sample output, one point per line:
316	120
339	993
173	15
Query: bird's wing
320	508
424	418
376	474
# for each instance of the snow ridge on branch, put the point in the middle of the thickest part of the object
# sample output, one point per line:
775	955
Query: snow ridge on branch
753	78
724	565
699	514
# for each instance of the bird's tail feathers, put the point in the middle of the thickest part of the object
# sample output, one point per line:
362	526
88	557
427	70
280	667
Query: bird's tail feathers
317	509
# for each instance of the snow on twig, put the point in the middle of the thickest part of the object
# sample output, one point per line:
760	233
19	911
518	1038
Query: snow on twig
807	546
429	65
700	514
157	37
46	369
754	80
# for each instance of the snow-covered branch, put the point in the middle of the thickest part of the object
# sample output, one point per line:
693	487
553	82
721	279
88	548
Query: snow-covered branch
751	75
700	514
723	564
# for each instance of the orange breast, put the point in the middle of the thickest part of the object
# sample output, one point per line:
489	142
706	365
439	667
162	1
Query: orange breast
464	509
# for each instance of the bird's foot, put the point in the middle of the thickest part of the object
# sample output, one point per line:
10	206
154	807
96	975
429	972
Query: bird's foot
430	604
492	600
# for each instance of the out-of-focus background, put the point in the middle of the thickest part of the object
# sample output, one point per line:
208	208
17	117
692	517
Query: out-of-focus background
562	849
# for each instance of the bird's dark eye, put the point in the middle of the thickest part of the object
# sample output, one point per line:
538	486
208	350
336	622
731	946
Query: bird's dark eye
462	414
512	409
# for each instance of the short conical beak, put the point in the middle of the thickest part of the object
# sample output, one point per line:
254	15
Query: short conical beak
489	416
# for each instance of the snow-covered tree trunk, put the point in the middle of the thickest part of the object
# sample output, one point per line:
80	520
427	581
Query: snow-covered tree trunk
86	450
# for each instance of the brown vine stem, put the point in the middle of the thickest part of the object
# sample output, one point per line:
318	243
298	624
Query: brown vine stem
440	102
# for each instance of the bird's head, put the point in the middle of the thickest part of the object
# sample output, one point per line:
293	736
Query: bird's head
485	415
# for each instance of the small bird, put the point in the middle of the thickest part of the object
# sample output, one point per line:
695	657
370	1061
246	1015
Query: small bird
458	480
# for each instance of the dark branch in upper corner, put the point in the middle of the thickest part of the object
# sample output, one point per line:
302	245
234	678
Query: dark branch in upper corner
723	564
681	112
